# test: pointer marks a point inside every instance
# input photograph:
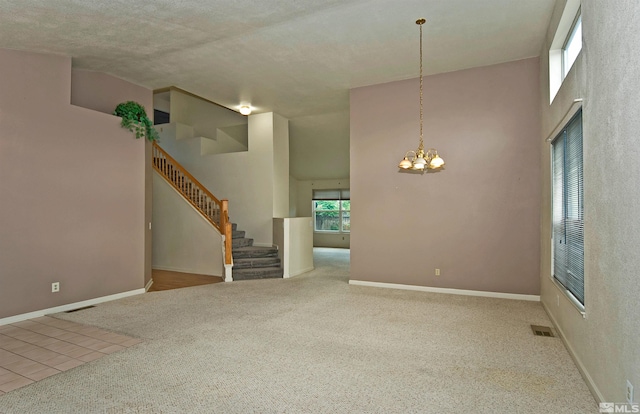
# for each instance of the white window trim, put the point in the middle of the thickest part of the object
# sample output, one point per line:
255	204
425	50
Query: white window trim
341	211
575	107
565	26
572	299
565	46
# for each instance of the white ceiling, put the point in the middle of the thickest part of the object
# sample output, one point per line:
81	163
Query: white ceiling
298	58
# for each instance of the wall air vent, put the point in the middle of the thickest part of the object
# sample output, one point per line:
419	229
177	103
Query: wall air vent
542	331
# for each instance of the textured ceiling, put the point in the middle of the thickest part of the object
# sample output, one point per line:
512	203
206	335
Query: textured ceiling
298	58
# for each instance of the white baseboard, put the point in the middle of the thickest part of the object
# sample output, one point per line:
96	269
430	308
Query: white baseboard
148	285
70	306
299	272
583	370
516	296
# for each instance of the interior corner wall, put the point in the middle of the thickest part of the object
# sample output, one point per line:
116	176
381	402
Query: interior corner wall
103	92
293	197
148	213
294	237
73	194
304	208
280	166
605	343
184	240
478	219
245	178
206	118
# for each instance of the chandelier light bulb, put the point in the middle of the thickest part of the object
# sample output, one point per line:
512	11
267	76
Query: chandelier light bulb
405	163
436	162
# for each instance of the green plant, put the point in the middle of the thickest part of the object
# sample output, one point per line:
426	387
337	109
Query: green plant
135	119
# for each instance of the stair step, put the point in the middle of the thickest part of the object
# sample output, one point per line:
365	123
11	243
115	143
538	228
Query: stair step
234	226
241	242
256	262
257	273
254	251
237	234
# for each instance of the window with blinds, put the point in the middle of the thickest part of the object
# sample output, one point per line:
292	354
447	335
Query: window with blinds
332	211
568	208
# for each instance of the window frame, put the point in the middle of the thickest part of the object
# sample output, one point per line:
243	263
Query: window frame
342	195
571	15
571	37
567	194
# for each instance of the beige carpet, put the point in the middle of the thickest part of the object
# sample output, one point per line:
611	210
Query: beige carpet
315	344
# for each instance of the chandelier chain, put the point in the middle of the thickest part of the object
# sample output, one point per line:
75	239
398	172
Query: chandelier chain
421	146
421	160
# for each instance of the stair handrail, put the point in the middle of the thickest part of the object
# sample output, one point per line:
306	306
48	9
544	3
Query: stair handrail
213	210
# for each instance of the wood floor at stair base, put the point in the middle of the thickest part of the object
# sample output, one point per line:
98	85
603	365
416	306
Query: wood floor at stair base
167	280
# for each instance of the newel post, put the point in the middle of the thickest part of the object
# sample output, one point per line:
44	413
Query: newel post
228	240
224	215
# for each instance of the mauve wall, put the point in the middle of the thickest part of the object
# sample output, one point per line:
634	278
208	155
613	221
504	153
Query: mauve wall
72	208
102	92
478	220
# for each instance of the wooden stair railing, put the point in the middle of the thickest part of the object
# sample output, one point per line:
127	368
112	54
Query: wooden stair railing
213	210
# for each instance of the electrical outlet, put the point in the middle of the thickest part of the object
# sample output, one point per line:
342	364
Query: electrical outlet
55	287
437	272
629	392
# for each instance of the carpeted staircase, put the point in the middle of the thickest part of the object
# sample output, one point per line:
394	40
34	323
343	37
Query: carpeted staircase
253	262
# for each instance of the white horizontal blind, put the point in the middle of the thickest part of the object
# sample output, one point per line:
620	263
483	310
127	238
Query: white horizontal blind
559	234
568	208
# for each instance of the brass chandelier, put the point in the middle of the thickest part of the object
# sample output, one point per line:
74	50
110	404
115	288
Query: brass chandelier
419	160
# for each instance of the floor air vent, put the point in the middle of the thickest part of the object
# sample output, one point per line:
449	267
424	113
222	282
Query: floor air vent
79	309
542	331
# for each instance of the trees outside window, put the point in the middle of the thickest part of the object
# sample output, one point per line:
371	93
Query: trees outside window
332	215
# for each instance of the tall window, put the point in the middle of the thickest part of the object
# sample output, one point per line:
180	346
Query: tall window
332	211
572	45
565	47
568	208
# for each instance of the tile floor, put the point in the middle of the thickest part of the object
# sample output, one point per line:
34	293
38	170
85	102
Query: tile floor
38	348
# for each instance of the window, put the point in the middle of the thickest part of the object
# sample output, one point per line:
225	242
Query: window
572	46
565	47
332	211
568	208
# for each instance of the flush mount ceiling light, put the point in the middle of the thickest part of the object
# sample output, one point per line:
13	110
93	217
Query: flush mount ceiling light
419	160
245	110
